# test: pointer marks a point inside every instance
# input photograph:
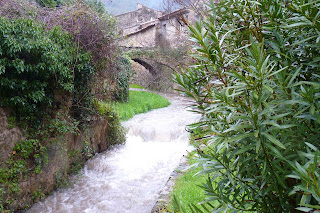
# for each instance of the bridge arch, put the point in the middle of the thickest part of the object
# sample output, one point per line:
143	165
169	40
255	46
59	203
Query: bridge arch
146	65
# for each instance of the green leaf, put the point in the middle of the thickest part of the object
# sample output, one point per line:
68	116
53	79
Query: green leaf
273	140
314	148
245	149
304	209
300	24
315	84
239	137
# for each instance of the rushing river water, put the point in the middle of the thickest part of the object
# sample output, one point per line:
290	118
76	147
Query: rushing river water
128	178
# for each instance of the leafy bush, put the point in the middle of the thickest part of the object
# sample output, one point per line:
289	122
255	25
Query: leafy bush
256	83
92	30
94	33
35	66
308	175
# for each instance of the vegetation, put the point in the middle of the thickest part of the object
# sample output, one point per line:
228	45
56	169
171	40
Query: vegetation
139	102
54	65
187	188
89	54
94	4
30	84
136	86
122	78
256	83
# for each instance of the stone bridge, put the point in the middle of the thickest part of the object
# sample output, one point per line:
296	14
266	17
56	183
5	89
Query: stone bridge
153	67
152	59
153	39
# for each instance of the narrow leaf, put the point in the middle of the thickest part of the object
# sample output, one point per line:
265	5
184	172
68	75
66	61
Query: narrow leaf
273	140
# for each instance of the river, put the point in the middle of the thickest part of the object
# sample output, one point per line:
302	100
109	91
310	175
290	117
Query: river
129	177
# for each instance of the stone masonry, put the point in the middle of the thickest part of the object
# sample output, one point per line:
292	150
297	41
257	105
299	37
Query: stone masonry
146	27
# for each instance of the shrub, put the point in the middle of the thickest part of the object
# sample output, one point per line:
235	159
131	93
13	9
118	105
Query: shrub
307	174
19	9
94	33
256	83
93	55
92	30
35	66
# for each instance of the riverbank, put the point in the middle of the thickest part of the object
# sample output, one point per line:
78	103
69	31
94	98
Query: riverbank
140	101
163	202
129	177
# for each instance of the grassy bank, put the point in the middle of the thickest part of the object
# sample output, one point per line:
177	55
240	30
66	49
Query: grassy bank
139	102
187	189
136	86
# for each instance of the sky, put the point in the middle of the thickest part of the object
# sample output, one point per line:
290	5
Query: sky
116	7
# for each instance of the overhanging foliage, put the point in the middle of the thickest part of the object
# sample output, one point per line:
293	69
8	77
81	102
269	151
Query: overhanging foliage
35	66
256	83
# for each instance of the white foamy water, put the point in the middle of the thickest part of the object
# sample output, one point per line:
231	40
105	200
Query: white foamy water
128	178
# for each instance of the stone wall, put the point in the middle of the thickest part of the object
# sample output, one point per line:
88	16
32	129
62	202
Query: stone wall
137	17
8	136
145	38
176	34
66	153
141	75
154	31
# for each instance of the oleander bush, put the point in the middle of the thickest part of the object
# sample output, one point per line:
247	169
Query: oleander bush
256	83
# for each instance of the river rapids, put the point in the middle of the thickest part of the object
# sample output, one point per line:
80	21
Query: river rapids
129	177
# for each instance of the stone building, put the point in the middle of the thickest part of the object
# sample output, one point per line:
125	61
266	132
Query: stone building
146	27
149	28
134	21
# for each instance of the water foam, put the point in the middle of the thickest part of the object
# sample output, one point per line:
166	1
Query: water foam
128	178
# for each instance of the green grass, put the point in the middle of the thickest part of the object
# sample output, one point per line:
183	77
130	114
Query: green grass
139	102
136	86
187	188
